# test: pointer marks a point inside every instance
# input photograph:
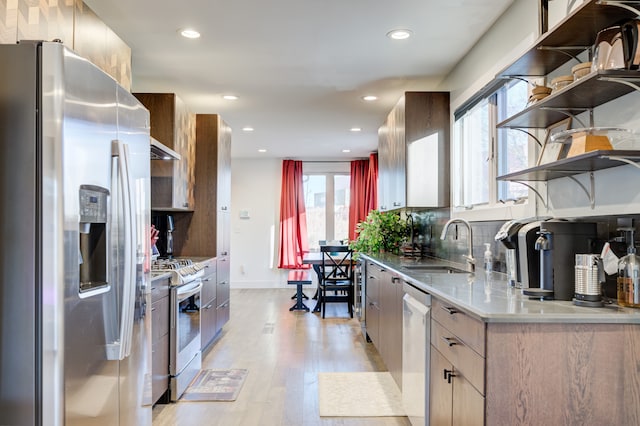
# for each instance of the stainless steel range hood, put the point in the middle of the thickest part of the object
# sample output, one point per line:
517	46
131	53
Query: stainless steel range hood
162	152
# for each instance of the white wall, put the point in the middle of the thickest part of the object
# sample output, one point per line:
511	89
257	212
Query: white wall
255	188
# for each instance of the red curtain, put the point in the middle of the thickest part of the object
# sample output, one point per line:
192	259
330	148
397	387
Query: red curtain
293	219
364	191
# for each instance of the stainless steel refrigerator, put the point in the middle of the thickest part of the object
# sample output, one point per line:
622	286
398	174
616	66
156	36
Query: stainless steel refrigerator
75	344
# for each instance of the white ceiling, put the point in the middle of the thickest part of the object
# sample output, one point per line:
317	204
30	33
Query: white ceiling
299	67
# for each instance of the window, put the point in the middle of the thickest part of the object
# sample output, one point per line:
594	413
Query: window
327	205
512	144
481	152
472	150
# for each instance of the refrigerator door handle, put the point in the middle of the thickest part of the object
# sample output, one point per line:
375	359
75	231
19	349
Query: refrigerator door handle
121	151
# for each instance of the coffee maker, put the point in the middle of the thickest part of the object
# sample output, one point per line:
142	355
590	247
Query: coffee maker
518	237
558	241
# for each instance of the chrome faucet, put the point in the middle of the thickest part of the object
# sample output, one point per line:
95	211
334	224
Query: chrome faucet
468	257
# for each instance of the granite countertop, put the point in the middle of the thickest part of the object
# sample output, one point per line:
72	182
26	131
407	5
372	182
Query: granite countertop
488	296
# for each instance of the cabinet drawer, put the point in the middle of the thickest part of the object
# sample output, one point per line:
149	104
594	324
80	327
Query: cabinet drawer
466	362
159	367
159	288
468	329
159	319
222	315
222	291
209	266
372	288
209	287
208	322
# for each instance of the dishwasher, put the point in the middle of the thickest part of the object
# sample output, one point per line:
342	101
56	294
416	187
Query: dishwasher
416	341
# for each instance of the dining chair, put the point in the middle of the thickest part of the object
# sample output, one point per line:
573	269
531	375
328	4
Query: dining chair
336	273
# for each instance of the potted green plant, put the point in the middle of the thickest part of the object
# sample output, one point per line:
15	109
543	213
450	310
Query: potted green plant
380	232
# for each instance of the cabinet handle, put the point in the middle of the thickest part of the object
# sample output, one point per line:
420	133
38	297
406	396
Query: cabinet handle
207	279
153	309
395	279
448	374
224	207
450	310
396	204
208	306
450	341
153	288
185	204
222	283
224	253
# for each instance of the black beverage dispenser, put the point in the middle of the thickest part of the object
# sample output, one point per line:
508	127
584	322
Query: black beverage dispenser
558	242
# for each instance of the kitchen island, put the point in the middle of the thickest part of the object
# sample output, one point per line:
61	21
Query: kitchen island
500	358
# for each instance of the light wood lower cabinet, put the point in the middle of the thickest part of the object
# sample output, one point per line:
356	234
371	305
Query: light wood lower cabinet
454	400
517	374
457	367
563	374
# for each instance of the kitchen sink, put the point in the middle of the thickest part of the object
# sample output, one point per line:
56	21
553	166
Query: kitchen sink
443	269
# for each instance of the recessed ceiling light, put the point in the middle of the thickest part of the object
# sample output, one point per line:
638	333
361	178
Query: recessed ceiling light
247	129
369	98
356	129
230	97
262	150
399	34
189	33
346	151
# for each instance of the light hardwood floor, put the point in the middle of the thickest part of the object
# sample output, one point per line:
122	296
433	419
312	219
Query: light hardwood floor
283	351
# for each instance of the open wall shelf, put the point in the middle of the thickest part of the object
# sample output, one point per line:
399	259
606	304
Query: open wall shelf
586	93
574	34
587	162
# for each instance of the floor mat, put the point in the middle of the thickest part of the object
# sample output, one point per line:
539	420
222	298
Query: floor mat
363	394
215	385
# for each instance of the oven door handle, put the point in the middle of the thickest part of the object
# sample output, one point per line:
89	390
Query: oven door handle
188	290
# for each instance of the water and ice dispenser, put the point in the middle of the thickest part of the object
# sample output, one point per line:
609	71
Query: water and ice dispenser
93	237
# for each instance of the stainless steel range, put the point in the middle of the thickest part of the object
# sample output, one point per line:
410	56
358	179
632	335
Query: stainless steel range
184	335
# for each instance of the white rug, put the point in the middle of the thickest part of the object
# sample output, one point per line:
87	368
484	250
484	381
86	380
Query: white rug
361	394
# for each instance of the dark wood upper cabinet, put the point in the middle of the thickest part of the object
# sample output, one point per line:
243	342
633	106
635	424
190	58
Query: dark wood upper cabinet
208	232
413	152
172	182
